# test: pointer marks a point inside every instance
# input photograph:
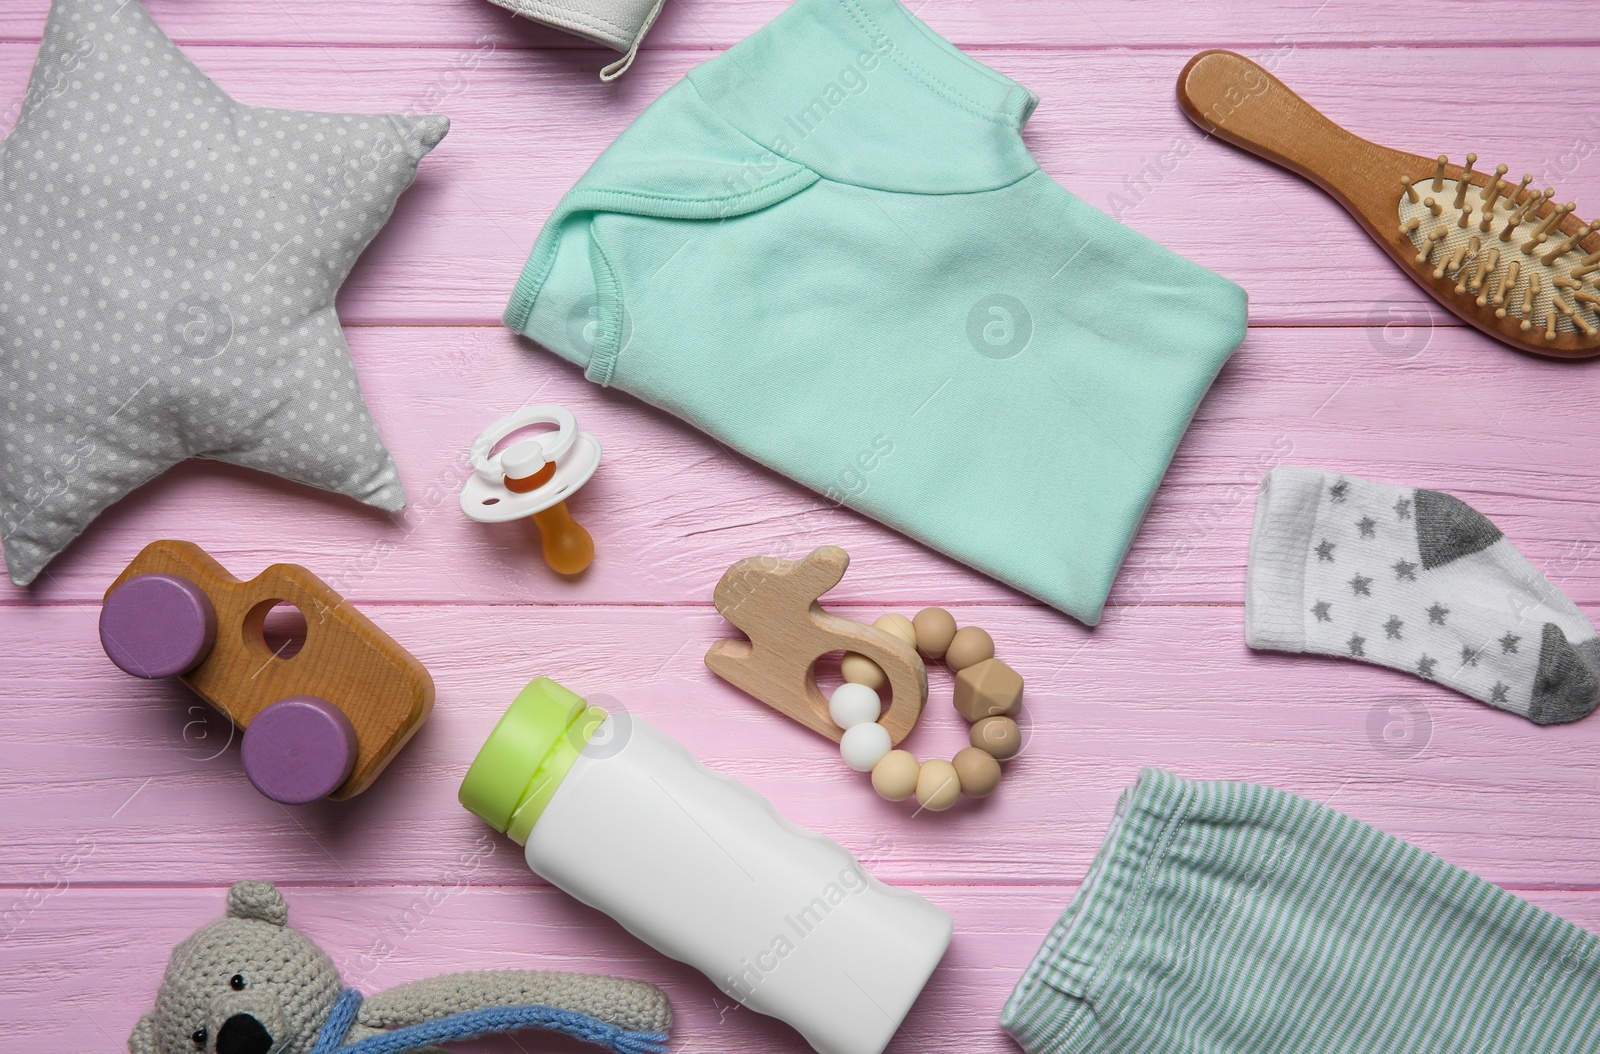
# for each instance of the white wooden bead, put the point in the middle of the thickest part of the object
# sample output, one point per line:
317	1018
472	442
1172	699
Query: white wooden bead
863	746
854	704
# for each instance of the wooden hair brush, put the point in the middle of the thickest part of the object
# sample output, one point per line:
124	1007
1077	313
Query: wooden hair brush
1504	257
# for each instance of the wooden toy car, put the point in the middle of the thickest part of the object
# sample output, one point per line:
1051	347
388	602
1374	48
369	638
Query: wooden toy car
320	723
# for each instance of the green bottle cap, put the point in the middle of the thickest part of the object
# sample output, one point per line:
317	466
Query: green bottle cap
526	757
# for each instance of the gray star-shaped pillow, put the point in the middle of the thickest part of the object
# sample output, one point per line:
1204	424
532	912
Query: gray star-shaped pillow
170	262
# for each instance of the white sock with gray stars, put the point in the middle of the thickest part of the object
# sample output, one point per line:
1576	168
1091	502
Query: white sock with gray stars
1418	581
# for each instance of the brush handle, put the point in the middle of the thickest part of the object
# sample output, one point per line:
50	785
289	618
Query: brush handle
1240	102
1236	100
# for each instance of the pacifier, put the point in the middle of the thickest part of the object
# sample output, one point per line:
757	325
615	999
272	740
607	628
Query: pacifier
534	478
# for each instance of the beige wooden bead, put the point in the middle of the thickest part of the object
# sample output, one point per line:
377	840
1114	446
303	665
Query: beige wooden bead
899	626
970	646
895	775
987	689
978	771
998	736
935	628
858	669
938	786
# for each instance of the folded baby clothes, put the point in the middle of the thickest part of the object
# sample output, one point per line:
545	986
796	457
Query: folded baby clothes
1227	918
618	24
830	249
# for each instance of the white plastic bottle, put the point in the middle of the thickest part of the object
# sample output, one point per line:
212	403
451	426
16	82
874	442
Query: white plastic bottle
703	869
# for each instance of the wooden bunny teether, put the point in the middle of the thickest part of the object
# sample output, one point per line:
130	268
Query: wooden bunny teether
775	603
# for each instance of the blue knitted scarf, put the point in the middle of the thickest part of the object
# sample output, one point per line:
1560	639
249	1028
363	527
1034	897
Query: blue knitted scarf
475	1023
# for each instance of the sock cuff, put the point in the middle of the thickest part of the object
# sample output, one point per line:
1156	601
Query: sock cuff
1280	543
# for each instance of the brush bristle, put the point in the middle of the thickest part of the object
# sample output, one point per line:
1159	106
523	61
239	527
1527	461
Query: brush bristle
1504	248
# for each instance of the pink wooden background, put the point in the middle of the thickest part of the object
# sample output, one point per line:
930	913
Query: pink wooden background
123	812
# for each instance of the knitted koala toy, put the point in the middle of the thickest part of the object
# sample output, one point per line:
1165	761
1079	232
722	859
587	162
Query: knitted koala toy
248	984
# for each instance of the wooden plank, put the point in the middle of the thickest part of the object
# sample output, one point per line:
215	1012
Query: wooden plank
702	23
112	943
107	948
152	781
528	125
670	510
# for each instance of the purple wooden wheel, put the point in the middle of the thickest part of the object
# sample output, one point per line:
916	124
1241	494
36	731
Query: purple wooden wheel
299	749
157	626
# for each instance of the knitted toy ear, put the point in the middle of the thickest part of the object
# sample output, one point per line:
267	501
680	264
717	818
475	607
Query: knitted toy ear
257	900
143	1040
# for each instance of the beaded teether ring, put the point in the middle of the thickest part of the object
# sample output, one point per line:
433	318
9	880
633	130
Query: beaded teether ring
988	694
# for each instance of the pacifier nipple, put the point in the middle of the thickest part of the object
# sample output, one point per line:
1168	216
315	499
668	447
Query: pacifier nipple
568	548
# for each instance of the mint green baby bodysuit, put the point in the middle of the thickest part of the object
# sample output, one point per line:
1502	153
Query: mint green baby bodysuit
830	248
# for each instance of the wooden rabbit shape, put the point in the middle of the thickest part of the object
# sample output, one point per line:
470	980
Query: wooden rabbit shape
775	603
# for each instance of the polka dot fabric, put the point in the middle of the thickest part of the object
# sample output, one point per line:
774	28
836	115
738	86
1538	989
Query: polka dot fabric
170	263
